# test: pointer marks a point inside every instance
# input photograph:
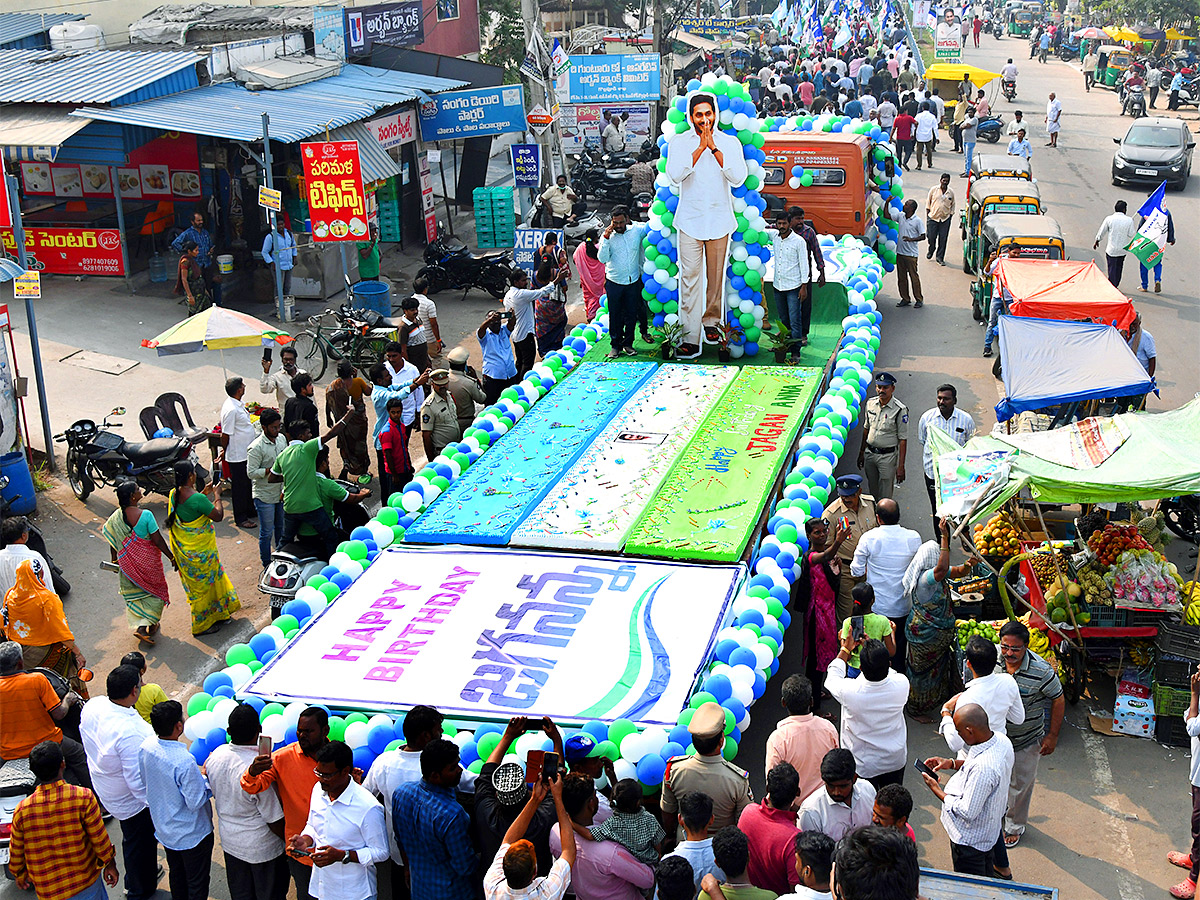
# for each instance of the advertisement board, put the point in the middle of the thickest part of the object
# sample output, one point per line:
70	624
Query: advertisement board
527	242
394	24
947	46
336	200
607	78
463	114
583	122
395	130
70	251
488	634
427	198
708	27
527	164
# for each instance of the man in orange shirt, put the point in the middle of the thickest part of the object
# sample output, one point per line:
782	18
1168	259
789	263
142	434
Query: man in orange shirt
59	845
31	709
292	770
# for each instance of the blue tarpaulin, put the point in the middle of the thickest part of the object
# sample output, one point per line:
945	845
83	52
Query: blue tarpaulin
1047	362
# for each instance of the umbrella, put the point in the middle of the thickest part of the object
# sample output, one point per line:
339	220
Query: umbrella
216	328
1121	34
1091	33
1173	35
1147	33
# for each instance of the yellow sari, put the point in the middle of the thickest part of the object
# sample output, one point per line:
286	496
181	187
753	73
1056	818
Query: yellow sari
210	593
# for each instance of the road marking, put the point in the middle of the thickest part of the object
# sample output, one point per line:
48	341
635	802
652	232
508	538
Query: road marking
1128	883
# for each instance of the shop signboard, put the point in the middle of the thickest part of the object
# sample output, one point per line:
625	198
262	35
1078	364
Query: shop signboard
708	27
527	242
582	122
27	286
527	164
329	32
395	130
269	198
394	24
336	200
427	198
5	212
462	114
70	251
611	78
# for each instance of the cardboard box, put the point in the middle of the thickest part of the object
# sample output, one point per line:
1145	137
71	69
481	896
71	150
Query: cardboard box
1134	716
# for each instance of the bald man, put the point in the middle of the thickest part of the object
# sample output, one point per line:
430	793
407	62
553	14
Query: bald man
975	797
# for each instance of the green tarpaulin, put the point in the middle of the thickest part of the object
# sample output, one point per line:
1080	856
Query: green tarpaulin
1161	458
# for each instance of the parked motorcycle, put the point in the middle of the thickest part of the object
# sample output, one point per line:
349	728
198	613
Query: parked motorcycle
539	217
1008	87
592	181
449	264
37	543
989	129
1182	516
96	455
639	206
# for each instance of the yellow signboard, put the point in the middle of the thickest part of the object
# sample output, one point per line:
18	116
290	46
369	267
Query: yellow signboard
270	199
28	286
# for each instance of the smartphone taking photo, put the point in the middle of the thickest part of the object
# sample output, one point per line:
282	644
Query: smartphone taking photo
857	629
265	745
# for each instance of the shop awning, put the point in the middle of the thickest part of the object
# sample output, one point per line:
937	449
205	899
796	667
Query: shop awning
94	76
376	164
30	131
232	112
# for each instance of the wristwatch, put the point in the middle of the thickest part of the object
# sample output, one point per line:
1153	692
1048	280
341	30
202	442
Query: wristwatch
345	857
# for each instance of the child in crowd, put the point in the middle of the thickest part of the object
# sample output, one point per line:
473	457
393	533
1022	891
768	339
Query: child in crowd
893	806
874	625
149	694
634	828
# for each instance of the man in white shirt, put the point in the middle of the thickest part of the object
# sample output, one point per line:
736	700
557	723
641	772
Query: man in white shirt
706	163
1009	72
912	233
403	375
1053	119
345	825
887	114
113	732
519	303
846	802
955	423
237	433
975	797
1120	229
250	825
280	383
614	136
926	133
873	725
790	256
14	531
1020	146
1017	124
996	692
883	555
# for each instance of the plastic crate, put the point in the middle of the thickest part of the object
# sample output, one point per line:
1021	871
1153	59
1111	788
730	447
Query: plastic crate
1178	640
1171	730
1107	616
1169	700
1174	670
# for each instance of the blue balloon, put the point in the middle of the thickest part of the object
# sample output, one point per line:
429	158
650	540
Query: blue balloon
760	684
261	643
297	608
215	737
364	758
226	691
725	648
598	731
719	686
289	735
329	571
379	737
680	736
651	768
342	580
750	617
675	748
199	750
266	658
361	533
785	618
468	753
743	656
257	702
215	680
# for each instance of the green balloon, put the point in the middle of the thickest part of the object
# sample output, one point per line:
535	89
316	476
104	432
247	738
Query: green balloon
759	140
388	516
287	623
675	115
271	709
396	744
721	87
212	703
753	278
239	653
752	182
685	716
356	717
476	767
658	207
806	179
753	333
487	744
759	591
739	267
745	136
770	642
397	532
619	730
198	702
729	751
680	128
774	606
330	590
441	481
316	581
255	666
337	728
699	698
357	551
746	320
668	219
730	722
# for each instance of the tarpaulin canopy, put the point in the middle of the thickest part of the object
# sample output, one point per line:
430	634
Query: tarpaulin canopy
1160	458
1047	362
1063	289
1176	35
955	72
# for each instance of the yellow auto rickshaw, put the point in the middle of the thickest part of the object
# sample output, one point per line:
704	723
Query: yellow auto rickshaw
1000	165
1020	23
1037	237
1113	62
989	196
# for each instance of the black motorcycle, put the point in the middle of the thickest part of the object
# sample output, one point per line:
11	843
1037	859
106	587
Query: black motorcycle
1009	89
603	184
36	542
96	455
449	264
1182	515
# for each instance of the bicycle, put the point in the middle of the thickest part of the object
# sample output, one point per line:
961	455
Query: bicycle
352	340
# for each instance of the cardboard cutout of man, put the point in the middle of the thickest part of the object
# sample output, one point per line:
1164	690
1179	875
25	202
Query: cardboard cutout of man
706	163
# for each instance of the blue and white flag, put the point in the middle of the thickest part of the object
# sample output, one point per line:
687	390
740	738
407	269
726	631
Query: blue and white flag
1151	238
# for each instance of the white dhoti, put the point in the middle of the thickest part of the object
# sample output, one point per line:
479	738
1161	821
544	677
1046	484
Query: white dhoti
701	284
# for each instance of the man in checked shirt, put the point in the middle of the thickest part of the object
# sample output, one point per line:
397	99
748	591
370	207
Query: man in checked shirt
59	845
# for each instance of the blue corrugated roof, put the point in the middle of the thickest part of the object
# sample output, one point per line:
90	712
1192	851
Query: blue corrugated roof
17	26
93	76
232	112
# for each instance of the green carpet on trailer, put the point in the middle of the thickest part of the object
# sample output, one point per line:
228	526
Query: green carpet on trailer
824	334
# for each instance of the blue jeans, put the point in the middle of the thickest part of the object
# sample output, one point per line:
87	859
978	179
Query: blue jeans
789	307
95	891
270	522
999	308
968	152
1157	274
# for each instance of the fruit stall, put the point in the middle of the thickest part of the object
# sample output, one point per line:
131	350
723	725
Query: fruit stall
1093	588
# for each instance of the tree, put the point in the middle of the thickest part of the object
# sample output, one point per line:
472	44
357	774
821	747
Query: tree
505	37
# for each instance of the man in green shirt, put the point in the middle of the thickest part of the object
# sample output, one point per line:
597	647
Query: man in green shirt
368	257
731	852
296	467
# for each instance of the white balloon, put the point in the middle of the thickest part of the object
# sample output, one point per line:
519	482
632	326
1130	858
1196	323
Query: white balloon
275	727
623	769
339	559
380	719
742	674
356	735
309	594
655	738
222	710
671	318
353	568
726	117
202	723
736	351
463	738
763	654
744	723
744	692
291	713
191	728
633	748
277	634
239	674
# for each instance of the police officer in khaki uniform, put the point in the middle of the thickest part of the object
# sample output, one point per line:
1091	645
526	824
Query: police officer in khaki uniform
707	771
464	387
884	439
858	511
439	415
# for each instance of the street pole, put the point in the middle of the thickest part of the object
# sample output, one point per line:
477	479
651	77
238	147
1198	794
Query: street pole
116	183
531	15
14	206
666	76
266	120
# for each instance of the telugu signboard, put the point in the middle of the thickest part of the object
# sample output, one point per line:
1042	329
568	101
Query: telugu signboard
336	200
396	130
463	114
583	122
527	164
70	251
27	286
485	634
708	27
269	198
527	242
394	24
947	45
607	78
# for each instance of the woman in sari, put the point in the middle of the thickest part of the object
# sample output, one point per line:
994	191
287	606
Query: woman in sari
189	279
191	510
344	399
816	595
33	616
549	312
137	547
591	272
932	674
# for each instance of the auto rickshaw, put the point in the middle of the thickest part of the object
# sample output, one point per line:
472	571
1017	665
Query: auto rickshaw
1038	237
1113	62
990	196
1000	165
1020	23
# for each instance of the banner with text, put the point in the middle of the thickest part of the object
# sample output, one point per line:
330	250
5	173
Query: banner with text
606	78
583	122
70	251
463	114
484	634
708	27
527	242
394	24
396	130
336	199
527	164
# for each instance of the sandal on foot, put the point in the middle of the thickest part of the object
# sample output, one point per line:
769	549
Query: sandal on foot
1185	890
212	629
143	635
1011	840
1183	860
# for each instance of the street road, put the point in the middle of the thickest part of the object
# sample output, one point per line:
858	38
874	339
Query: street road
1106	809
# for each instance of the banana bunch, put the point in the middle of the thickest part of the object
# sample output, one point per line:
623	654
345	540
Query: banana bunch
1039	642
1141	653
1191	599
